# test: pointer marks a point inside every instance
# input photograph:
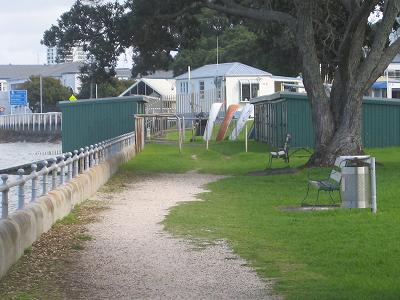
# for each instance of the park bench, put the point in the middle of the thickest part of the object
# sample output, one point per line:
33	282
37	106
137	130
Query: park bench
329	183
280	152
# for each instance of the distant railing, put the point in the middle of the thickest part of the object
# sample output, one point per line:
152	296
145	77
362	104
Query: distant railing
50	121
198	102
61	169
164	104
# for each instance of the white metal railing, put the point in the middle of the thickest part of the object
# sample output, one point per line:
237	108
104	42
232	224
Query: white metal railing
61	169
50	121
198	102
164	104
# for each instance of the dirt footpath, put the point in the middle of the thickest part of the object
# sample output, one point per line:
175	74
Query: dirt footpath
131	257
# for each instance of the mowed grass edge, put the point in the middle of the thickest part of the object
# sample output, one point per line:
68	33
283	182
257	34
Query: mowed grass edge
340	254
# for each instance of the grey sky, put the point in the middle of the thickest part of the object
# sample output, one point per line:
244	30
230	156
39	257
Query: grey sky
22	24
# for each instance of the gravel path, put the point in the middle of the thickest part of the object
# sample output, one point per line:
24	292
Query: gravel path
132	257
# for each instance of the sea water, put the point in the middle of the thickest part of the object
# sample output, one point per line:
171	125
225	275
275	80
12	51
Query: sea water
15	154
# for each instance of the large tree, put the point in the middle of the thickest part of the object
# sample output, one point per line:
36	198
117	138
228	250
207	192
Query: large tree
337	41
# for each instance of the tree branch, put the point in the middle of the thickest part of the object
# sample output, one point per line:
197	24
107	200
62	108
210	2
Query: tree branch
372	61
357	16
386	58
232	8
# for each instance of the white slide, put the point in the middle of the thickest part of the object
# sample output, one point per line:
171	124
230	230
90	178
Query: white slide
215	107
247	111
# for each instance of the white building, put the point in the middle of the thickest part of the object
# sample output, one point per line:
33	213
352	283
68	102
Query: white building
388	85
230	83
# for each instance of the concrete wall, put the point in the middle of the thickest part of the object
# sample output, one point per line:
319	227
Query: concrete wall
25	226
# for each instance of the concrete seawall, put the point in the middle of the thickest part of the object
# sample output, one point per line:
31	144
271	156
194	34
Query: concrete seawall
25	226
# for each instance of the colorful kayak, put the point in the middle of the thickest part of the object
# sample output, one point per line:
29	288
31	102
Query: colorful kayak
215	107
247	111
227	120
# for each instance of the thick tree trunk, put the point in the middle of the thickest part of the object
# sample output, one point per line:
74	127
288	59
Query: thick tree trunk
346	138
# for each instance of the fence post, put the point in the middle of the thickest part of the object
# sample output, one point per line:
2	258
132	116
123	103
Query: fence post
91	156
81	160
246	137
75	163
34	182
96	154
21	189
4	201
53	173
86	158
69	165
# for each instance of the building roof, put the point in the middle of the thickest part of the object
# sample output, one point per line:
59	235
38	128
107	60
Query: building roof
285	78
163	87
123	72
226	69
13	72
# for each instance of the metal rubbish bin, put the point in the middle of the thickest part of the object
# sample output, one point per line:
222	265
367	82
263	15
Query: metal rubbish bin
356	186
201	123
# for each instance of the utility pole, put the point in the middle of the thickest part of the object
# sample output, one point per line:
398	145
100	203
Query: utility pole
41	93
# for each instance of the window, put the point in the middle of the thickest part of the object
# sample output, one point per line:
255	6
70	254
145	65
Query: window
201	88
254	89
184	87
248	89
245	92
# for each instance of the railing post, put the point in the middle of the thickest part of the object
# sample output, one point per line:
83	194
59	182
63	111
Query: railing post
75	163
21	189
45	172
61	164
69	165
81	160
96	154
91	156
86	158
4	198
34	182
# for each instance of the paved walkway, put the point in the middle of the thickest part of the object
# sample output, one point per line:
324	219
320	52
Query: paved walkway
131	257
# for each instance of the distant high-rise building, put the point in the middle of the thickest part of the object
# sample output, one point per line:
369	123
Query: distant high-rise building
51	55
75	54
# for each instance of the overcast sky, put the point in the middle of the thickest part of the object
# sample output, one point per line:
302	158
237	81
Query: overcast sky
22	24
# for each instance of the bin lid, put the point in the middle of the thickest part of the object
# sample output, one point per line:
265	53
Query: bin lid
341	159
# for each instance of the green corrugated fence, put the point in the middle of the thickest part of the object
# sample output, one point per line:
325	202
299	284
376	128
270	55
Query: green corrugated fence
86	122
285	112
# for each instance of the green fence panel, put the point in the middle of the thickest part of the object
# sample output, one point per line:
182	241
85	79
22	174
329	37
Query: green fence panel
380	124
87	122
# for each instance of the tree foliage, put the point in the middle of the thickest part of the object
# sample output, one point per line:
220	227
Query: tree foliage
53	91
331	41
98	28
112	87
141	26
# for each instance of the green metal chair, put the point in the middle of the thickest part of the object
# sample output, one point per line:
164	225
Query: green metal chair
280	152
328	184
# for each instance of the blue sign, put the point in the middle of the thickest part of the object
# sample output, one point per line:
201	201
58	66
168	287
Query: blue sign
18	97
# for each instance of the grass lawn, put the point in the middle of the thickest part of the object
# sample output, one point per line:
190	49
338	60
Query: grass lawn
340	254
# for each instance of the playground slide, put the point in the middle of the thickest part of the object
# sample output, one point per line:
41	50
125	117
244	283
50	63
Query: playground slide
227	120
215	107
247	111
